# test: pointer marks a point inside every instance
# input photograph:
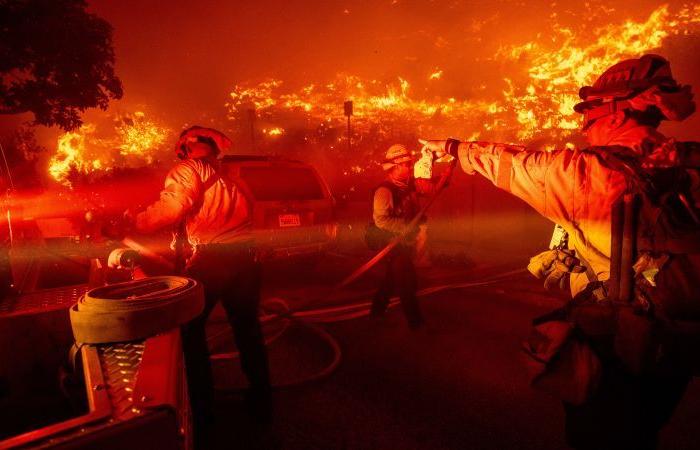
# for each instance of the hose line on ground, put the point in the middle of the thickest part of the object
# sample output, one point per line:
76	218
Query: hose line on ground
310	318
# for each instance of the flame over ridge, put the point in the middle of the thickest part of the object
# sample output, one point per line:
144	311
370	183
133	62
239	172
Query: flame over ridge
535	104
546	102
373	101
133	142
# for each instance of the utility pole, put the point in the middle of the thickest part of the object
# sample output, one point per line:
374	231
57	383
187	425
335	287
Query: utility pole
347	107
251	119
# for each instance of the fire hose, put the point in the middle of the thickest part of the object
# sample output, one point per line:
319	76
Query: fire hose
136	309
442	182
305	317
310	319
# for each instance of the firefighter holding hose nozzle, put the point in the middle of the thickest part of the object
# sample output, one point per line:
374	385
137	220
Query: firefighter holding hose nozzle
212	216
394	206
621	353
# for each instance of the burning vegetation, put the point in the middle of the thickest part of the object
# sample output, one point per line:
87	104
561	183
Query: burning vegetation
532	100
133	141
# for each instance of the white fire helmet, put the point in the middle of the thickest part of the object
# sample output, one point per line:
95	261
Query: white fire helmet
397	154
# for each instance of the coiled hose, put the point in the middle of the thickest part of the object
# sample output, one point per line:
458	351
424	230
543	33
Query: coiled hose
135	309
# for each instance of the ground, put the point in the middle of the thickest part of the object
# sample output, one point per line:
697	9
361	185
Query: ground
458	383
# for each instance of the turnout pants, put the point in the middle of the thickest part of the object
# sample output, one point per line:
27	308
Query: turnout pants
401	278
229	274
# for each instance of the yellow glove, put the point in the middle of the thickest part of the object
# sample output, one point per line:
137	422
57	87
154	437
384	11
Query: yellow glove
541	264
555	266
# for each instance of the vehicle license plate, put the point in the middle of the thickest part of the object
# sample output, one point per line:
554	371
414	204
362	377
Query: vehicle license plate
289	220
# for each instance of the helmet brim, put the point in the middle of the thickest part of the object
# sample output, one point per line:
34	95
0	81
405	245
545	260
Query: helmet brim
388	165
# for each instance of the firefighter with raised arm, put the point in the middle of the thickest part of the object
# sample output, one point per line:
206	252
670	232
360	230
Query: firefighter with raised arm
620	354
394	205
212	217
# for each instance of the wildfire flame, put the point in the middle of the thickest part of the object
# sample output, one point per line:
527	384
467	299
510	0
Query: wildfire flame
531	100
372	100
139	136
70	155
546	101
536	101
133	142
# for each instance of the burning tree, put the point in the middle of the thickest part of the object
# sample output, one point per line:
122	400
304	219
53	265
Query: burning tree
56	61
130	141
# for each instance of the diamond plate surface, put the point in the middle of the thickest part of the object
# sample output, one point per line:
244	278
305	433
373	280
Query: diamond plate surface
120	364
43	300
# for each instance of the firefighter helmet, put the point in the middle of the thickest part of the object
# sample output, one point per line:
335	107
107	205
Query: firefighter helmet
397	154
644	84
214	138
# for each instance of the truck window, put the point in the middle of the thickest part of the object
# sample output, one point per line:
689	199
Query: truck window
282	183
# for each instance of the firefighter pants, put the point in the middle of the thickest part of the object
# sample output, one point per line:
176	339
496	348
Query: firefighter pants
400	277
229	274
627	411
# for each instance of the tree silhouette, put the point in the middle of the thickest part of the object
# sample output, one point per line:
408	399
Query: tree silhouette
56	61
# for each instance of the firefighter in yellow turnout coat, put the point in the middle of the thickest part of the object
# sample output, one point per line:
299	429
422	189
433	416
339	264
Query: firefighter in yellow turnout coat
578	190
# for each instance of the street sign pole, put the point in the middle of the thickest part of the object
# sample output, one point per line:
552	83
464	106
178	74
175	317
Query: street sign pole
347	107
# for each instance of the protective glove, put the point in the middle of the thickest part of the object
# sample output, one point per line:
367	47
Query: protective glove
555	266
435	146
423	168
557	278
540	265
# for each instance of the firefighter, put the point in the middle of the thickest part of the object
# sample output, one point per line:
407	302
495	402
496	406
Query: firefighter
394	205
623	403
213	219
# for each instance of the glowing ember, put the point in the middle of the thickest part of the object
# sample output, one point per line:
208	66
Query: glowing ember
435	75
133	142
